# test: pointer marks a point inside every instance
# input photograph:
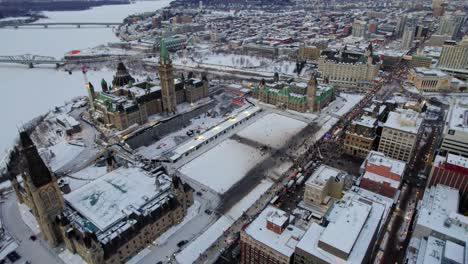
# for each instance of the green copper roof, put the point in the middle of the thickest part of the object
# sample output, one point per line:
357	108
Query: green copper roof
163	52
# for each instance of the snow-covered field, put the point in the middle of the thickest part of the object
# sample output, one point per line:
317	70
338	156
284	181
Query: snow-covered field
222	166
200	123
205	240
62	153
273	130
235	61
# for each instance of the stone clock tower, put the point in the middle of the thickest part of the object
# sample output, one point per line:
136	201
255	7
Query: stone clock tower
41	190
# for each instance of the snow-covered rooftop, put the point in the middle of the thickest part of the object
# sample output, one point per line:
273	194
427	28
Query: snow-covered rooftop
441	198
433	252
321	175
438	213
278	218
457	160
343	233
377	178
367	121
458	116
284	243
273	130
109	198
429	72
379	159
405	120
354	236
454	252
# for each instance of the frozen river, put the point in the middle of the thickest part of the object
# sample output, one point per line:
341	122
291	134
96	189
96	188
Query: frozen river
26	93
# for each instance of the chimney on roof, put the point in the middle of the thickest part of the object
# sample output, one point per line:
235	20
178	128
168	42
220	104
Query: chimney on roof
277	222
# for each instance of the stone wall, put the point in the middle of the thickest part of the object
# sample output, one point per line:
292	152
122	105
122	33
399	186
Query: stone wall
165	127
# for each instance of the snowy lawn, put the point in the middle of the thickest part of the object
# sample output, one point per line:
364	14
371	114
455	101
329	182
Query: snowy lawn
273	130
60	154
223	166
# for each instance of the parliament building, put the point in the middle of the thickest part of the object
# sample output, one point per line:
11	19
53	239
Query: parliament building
126	103
108	220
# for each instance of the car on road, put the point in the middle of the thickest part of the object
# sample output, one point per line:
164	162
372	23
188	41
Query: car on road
198	193
33	237
182	243
208	211
13	256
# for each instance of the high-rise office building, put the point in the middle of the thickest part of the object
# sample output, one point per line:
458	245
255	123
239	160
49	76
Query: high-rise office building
453	55
408	37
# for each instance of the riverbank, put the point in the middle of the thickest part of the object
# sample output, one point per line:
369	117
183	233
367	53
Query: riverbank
31	92
29	8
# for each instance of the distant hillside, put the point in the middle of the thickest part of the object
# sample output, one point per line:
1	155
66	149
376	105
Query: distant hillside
14	8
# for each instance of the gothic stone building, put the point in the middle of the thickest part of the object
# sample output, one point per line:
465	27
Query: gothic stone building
301	97
125	103
108	220
349	69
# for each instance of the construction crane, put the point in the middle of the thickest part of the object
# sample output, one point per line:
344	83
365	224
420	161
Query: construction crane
184	49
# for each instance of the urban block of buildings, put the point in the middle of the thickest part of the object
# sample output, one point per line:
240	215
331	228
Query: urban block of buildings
441	233
270	238
347	233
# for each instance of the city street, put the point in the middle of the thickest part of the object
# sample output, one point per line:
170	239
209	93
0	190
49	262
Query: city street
34	251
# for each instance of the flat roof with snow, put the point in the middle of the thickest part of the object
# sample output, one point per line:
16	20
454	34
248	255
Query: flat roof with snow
321	175
273	130
222	166
284	243
458	116
454	252
104	201
404	120
433	252
438	213
343	233
457	160
380	159
347	240
377	178
367	121
430	72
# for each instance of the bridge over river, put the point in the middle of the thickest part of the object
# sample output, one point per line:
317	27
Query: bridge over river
31	60
46	25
